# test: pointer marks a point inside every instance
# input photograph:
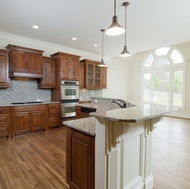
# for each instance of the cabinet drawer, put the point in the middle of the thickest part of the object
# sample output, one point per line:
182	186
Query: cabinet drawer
54	121
54	106
4	110
29	108
4	119
53	112
3	130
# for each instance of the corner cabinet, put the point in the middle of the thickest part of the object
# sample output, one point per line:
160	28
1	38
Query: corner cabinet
48	80
80	156
25	62
95	76
4	69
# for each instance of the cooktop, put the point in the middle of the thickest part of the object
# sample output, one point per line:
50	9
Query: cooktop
26	102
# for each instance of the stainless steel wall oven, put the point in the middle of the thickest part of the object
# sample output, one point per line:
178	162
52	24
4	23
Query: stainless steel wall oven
69	98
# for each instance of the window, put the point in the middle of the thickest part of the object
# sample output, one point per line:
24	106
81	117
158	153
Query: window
163	78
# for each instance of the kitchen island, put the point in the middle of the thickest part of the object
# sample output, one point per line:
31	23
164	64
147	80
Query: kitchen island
122	146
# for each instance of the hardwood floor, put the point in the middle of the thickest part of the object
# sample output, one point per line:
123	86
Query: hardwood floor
38	161
35	161
171	154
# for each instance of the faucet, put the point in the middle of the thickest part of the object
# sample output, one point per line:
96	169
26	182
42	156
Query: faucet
117	102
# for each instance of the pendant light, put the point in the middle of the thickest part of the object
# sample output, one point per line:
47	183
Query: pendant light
125	52
115	28
102	64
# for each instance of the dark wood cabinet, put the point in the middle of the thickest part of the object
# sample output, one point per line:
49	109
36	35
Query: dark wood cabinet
5	122
103	77
48	80
81	76
95	76
29	118
66	68
4	69
80	160
54	115
25	62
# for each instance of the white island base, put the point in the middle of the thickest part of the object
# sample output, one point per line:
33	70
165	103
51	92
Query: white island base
123	153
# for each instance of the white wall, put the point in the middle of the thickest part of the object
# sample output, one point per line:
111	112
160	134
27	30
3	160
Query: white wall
117	77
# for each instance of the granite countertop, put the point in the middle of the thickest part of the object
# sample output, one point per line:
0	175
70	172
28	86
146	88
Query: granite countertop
86	125
132	114
27	104
99	107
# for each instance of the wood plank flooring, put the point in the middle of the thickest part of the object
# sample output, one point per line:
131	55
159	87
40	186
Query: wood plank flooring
38	161
171	154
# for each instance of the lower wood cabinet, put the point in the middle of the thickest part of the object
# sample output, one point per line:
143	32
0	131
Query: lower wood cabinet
29	118
5	122
80	160
54	115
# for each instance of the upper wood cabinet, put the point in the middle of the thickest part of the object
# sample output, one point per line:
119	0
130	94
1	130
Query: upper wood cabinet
48	80
25	62
81	75
103	77
67	66
95	76
4	69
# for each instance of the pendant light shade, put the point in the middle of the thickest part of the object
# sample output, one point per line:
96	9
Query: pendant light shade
125	52
115	28
102	64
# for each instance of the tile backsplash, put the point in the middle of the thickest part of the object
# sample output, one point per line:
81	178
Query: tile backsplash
85	95
24	90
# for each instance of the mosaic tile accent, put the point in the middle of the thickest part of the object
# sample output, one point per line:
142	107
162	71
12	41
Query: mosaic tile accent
24	90
85	95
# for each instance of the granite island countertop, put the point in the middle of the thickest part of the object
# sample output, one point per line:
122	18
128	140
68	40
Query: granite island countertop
131	115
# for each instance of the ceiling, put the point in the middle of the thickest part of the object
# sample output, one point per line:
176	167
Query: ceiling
150	24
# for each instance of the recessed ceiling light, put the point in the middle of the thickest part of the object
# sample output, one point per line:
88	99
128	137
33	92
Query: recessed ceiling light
95	45
35	27
74	38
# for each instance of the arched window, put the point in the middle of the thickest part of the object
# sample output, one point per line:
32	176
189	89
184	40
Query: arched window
163	75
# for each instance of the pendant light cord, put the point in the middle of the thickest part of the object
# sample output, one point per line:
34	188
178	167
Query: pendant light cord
125	25
102	42
114	7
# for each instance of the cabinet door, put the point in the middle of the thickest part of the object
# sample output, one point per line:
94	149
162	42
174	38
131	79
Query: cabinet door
103	79
73	69
4	80
48	80
64	68
5	114
20	62
21	122
81	76
34	62
89	76
54	115
38	120
80	160
96	76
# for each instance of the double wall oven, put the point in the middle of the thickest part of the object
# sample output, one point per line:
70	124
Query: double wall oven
69	98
